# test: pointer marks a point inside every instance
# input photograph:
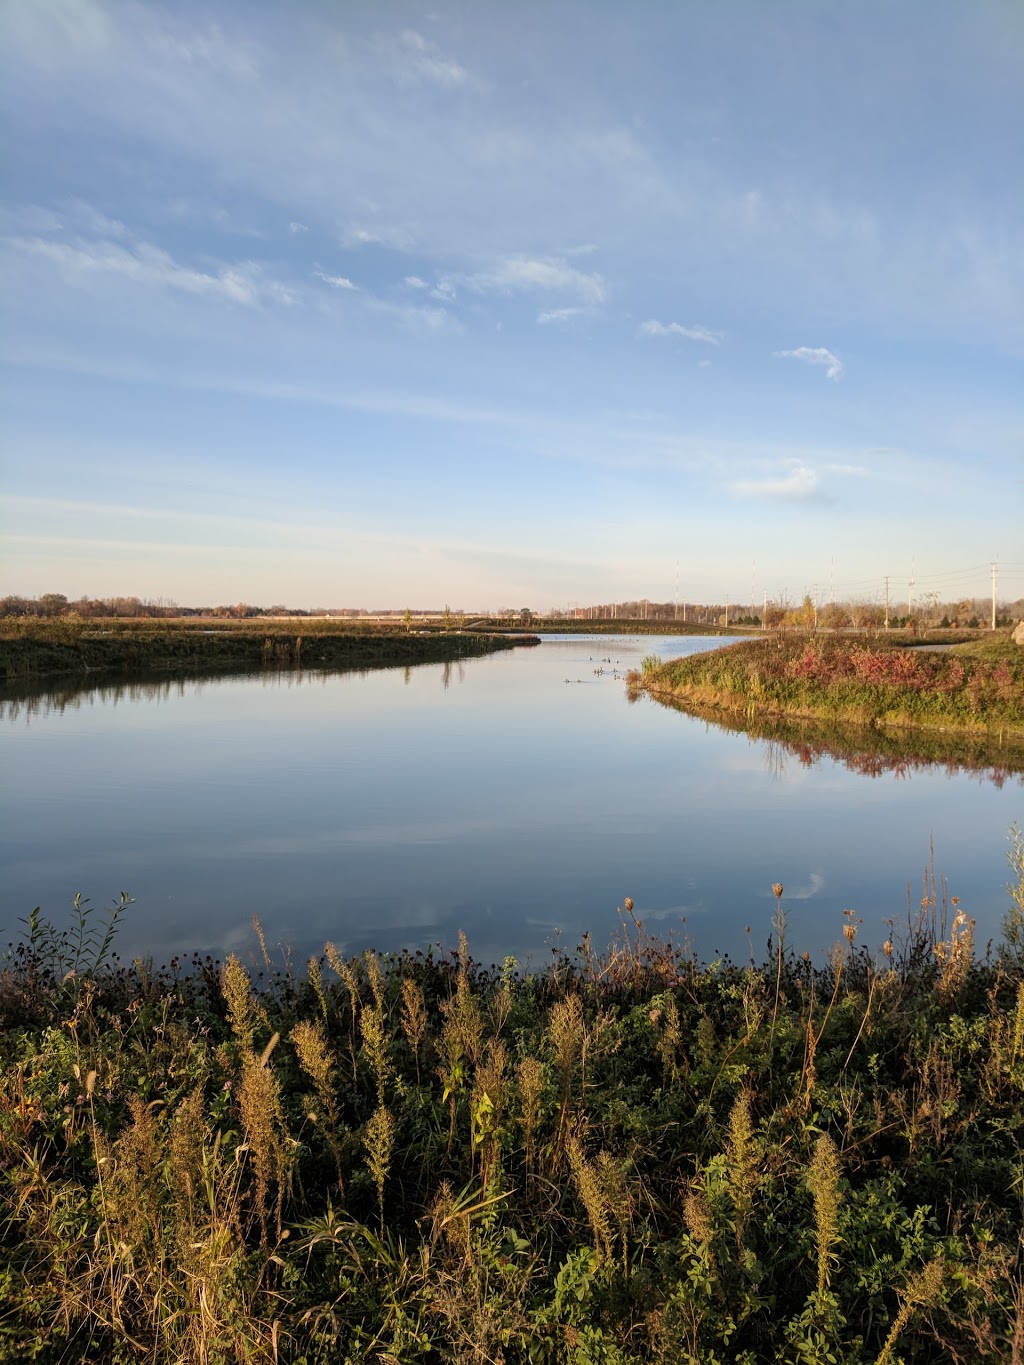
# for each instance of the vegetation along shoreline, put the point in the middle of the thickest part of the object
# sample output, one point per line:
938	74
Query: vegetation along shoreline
623	1159
872	681
36	648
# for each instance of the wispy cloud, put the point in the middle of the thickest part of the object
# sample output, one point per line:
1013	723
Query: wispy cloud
294	228
244	282
799	485
391	235
653	328
335	281
561	315
815	355
425	61
524	274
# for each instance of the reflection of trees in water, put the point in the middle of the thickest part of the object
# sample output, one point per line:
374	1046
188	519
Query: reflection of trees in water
51	698
871	752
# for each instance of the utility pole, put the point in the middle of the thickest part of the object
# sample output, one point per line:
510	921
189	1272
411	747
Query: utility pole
995	574
675	612
887	601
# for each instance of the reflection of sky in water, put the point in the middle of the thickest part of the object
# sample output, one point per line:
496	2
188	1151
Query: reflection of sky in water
390	809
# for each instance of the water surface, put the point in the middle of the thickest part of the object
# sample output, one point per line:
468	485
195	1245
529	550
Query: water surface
520	797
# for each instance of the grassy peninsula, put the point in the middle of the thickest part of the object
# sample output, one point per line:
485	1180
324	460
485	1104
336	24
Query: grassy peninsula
626	1158
975	688
33	647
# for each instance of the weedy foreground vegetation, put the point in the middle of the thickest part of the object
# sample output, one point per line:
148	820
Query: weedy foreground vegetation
870	680
627	1158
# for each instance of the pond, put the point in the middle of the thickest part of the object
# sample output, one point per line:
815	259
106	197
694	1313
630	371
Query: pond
520	797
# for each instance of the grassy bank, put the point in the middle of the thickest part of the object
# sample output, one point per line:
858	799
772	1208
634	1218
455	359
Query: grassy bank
870	681
32	647
628	1158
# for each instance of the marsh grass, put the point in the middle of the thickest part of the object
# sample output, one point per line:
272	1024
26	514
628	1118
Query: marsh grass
627	1158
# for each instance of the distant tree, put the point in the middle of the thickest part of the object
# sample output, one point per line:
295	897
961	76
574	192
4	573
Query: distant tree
447	617
525	616
407	618
52	603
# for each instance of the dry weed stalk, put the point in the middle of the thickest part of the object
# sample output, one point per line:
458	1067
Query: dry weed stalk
259	1102
954	956
823	1180
921	1292
317	1061
413	1018
593	1197
316	980
742	1158
237	990
379	1141
530	1083
375	976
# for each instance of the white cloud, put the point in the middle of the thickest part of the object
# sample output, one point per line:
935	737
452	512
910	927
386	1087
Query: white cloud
294	228
425	61
668	329
358	234
81	261
558	315
799	485
414	282
815	355
335	281
521	274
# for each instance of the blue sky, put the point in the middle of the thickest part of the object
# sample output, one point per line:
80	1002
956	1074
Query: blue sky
512	304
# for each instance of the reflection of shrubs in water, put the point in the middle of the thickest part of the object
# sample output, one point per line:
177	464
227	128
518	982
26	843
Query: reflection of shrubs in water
866	750
624	1158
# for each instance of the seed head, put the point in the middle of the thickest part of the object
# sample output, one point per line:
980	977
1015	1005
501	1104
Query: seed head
777	888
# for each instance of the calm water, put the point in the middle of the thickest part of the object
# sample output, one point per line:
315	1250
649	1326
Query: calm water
520	797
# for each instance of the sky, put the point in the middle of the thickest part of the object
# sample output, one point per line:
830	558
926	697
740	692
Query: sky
503	305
